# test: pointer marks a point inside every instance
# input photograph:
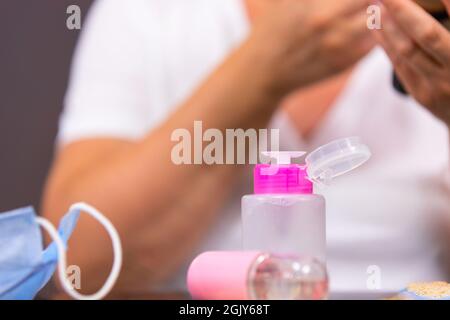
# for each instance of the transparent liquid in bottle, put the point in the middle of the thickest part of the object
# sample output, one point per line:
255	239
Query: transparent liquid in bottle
288	278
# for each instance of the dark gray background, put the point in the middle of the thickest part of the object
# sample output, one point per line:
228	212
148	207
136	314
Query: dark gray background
35	54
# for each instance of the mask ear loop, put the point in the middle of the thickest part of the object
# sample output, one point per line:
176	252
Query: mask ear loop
62	258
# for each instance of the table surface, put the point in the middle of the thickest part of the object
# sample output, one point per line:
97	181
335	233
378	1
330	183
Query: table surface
376	295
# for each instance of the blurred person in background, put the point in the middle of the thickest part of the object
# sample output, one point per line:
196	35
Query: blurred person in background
309	68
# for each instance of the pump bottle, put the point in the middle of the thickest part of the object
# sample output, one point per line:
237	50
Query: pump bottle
284	216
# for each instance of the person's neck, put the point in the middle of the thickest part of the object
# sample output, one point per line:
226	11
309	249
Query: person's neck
307	107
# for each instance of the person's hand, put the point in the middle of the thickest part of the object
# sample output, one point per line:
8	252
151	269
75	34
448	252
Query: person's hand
305	41
419	48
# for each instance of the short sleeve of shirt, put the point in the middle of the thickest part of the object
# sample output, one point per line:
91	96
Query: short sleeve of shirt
107	94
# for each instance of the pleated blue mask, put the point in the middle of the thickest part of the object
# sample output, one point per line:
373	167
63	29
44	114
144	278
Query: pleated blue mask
26	267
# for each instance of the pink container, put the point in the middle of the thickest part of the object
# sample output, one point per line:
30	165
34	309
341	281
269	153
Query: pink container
221	275
256	276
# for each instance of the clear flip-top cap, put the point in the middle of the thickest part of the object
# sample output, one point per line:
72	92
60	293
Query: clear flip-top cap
336	158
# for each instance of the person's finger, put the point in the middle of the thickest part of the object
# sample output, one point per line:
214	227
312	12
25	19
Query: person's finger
409	77
447	5
423	28
353	27
337	20
343	7
403	49
350	33
332	9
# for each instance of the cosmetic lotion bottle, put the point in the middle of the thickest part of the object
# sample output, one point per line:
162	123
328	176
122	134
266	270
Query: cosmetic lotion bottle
253	275
284	216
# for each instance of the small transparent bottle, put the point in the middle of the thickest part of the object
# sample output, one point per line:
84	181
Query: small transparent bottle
256	276
284	215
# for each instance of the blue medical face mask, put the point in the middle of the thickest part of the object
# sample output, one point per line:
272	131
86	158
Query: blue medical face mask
25	267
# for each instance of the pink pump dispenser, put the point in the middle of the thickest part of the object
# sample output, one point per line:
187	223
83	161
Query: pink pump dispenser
284	178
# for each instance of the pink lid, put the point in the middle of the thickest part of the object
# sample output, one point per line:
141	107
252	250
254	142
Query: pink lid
220	275
281	179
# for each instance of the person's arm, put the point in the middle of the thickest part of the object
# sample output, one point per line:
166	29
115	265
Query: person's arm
162	210
159	208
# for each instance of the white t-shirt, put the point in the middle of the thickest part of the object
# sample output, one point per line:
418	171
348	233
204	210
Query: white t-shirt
138	60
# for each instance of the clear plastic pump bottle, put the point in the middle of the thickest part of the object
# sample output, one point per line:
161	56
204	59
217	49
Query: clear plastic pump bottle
283	215
256	276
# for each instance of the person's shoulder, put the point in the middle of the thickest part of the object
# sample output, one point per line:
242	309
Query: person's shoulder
137	18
